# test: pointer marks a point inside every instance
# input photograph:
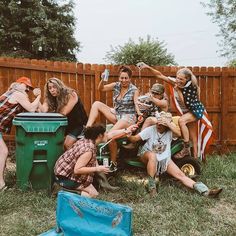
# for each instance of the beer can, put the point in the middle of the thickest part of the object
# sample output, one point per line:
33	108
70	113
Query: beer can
106	75
106	161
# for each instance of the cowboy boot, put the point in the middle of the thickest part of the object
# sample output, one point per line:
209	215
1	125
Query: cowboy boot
205	191
103	182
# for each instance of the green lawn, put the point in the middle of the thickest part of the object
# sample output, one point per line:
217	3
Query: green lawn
175	211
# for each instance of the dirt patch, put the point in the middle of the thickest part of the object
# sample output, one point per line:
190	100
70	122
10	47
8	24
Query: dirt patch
224	210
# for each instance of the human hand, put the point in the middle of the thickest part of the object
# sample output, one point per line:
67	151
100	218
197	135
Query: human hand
37	92
103	169
163	121
150	96
103	75
142	65
132	128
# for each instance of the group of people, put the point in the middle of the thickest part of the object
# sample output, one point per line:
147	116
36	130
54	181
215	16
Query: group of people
75	169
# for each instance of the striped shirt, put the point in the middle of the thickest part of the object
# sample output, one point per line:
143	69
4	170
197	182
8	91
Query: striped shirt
66	163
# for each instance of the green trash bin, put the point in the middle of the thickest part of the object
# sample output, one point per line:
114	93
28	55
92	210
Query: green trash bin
39	143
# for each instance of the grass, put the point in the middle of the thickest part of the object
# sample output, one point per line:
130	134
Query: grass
175	211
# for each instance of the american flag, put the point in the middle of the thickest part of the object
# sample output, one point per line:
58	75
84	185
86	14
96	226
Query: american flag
205	129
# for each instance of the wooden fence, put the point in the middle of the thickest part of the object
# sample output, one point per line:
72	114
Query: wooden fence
218	88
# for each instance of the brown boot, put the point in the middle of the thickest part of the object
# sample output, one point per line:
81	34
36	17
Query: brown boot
214	193
103	182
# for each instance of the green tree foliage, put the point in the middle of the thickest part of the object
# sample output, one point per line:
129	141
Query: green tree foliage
41	29
152	52
223	13
232	63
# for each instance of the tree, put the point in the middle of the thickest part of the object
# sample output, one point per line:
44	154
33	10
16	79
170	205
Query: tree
41	29
232	63
223	12
152	52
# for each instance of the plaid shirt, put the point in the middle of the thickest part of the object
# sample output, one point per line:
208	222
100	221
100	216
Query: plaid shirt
8	111
126	104
66	162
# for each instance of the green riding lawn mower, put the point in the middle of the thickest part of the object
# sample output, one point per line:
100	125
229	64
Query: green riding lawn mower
128	157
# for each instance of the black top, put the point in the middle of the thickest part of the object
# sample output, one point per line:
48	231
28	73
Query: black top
77	118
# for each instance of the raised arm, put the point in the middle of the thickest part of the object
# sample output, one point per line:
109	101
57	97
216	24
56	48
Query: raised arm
162	103
136	102
171	125
157	73
105	87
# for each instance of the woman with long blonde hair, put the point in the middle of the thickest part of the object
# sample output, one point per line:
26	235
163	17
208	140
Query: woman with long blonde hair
186	95
62	99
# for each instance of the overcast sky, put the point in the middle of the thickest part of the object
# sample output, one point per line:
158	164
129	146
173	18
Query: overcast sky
188	32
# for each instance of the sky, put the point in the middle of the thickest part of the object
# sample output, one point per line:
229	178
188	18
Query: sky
183	25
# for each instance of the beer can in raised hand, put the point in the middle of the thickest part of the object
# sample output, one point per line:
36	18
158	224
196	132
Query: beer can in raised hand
106	75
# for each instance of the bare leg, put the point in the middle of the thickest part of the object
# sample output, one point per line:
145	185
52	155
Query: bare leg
183	121
149	122
89	191
193	136
174	170
120	124
3	158
149	158
69	141
100	108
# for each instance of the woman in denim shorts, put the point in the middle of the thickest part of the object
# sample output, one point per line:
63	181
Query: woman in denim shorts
125	106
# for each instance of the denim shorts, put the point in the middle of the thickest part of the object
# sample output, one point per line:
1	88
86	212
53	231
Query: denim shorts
0	135
130	118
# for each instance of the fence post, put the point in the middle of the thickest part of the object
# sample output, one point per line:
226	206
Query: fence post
224	109
96	82
97	95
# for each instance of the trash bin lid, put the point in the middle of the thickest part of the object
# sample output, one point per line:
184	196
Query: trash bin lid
40	122
40	116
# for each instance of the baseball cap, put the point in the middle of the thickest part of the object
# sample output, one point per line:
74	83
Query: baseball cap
157	88
25	80
163	114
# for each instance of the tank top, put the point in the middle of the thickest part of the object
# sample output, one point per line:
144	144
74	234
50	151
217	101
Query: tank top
77	118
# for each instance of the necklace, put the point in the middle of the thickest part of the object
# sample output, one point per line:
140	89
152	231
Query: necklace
159	146
160	136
